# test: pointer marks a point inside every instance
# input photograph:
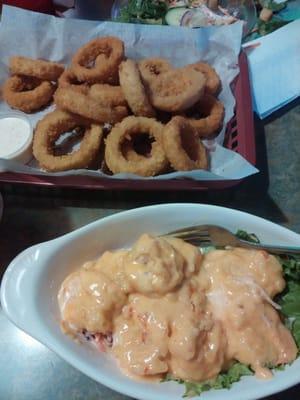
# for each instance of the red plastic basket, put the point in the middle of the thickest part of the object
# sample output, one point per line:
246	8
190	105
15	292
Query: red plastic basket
239	137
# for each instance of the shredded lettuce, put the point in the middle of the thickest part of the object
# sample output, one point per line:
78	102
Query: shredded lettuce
222	381
290	298
291	267
273	5
250	237
143	11
264	28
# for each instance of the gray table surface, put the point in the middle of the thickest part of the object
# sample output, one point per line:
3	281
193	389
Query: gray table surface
28	370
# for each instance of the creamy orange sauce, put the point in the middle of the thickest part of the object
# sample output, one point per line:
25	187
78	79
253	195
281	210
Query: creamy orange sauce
173	310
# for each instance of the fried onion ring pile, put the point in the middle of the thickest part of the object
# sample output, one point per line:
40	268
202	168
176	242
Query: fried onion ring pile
79	103
51	127
157	113
98	60
213	82
182	145
42	69
68	79
27	94
32	84
108	95
134	90
211	115
144	166
151	68
177	90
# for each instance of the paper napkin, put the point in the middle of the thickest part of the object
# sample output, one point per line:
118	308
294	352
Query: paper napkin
274	63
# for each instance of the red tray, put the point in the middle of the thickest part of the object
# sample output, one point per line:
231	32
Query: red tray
239	137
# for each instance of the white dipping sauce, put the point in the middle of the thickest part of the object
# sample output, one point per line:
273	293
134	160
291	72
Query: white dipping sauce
15	139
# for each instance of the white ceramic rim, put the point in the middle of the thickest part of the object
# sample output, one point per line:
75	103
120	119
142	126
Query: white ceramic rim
129	387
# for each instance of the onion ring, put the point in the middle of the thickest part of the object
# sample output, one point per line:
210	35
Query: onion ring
50	128
139	165
134	90
182	145
150	68
27	94
213	111
68	79
42	69
87	107
213	82
108	95
113	79
177	89
106	53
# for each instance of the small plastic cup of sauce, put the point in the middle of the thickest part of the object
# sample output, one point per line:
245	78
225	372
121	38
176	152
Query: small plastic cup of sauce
16	135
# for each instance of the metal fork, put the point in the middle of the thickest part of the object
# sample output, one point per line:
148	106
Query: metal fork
211	235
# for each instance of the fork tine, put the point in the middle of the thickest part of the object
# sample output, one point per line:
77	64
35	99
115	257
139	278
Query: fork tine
207	235
199	239
194	228
202	240
199	243
190	233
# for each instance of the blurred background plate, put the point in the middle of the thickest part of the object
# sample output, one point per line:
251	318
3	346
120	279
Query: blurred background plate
241	9
94	9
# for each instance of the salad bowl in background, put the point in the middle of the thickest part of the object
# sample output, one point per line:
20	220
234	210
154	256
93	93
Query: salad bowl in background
32	280
194	17
242	9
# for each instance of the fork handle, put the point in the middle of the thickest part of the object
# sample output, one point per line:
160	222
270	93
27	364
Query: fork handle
295	250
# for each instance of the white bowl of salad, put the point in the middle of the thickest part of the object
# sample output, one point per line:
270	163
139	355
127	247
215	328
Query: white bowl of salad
187	13
154	318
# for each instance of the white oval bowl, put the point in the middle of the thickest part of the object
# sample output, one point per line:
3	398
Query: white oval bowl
31	282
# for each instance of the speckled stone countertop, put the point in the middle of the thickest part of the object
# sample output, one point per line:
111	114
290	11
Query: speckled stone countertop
29	371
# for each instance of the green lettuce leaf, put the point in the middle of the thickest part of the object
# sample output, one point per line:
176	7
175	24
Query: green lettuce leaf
291	267
290	298
250	237
273	5
290	302
143	11
290	308
222	381
264	28
296	331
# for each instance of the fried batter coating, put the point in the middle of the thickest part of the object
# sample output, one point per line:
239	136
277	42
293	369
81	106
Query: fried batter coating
176	90
211	115
213	81
151	68
42	69
182	145
134	90
98	60
108	95
68	79
139	165
50	128
27	94
87	107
